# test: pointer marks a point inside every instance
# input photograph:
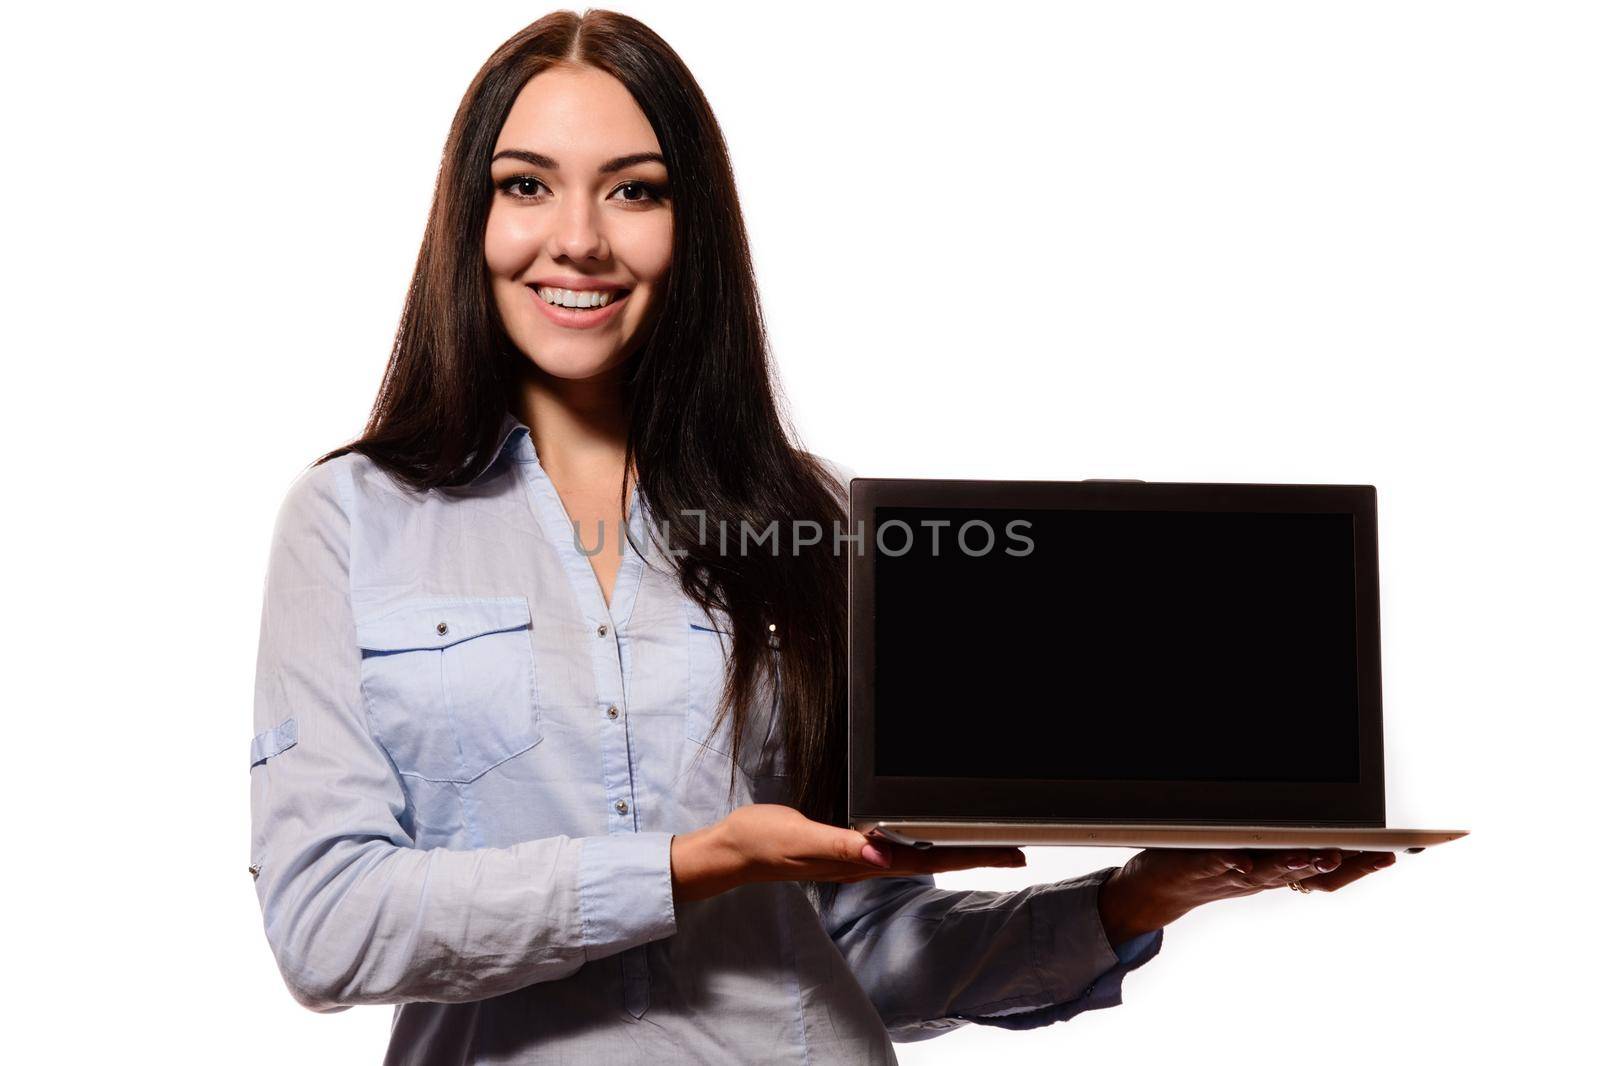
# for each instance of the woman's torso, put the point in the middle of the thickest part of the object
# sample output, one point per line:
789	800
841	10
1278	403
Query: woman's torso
541	710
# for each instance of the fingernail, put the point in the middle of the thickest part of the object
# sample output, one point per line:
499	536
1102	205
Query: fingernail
1297	864
874	856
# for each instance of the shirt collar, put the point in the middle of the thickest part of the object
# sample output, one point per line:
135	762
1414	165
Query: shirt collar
513	438
512	433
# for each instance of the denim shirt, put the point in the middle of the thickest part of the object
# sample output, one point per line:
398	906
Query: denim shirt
465	774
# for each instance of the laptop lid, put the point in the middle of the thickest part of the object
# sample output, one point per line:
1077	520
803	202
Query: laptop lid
1120	652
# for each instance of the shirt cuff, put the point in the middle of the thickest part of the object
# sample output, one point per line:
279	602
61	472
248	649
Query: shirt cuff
1079	966
625	892
1140	948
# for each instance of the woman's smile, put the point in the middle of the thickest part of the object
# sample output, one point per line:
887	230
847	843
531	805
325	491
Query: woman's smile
592	308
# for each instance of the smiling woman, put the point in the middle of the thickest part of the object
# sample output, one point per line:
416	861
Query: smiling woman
535	792
561	196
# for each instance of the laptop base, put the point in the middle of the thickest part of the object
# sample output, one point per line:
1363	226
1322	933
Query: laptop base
927	834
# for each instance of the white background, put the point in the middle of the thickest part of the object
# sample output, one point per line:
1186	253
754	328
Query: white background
1224	241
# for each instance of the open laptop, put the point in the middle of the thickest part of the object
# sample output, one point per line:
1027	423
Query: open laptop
1117	663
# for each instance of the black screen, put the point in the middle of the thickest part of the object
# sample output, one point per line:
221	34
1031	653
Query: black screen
1102	644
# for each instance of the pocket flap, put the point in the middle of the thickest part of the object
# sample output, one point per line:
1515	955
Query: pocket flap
269	742
440	622
715	620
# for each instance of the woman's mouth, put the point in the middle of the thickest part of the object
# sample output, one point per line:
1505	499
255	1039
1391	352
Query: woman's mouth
590	308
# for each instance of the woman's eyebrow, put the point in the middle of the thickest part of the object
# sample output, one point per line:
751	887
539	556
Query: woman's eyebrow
610	167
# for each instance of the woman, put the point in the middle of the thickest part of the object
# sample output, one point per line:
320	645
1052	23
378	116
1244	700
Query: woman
537	764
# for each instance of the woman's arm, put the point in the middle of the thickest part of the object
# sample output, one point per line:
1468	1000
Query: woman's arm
935	959
353	911
1160	885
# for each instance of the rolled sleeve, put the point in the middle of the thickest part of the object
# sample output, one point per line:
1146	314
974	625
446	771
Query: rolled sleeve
1080	970
625	891
932	960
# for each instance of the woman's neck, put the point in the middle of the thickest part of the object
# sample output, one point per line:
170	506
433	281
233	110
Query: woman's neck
578	428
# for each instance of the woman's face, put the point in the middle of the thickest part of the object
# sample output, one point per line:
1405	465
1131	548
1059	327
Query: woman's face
579	204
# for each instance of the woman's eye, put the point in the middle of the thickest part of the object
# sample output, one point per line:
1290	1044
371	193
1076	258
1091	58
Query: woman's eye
653	192
512	186
525	187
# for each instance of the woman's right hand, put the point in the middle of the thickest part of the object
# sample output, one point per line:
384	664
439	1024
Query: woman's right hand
772	842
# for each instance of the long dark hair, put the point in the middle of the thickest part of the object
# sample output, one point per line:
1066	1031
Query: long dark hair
704	432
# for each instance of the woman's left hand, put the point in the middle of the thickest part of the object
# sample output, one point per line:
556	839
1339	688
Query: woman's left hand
1160	885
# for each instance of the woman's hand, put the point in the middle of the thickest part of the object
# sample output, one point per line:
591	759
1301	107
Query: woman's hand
771	842
1159	885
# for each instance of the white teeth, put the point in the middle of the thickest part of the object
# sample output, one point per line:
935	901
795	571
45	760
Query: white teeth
575	298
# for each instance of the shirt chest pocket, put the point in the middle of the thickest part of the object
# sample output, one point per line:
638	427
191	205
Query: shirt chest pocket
449	683
710	640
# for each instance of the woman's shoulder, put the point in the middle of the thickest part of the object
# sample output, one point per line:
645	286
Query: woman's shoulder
344	482
327	490
318	496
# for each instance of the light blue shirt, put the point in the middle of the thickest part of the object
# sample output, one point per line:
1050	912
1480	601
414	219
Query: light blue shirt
464	780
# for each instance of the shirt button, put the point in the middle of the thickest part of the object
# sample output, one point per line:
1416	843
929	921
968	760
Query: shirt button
442	628
622	806
601	630
611	712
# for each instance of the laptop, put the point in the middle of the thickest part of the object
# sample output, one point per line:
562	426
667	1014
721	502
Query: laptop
1118	663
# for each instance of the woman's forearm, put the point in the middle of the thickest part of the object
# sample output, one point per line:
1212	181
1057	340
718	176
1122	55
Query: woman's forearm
1126	911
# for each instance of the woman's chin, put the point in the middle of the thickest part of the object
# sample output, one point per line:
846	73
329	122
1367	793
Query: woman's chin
575	366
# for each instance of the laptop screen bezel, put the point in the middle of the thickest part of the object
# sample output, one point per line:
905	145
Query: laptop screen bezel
1359	803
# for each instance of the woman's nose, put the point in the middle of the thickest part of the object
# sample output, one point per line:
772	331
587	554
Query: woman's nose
577	234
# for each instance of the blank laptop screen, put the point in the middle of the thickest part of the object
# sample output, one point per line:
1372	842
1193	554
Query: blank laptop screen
1102	644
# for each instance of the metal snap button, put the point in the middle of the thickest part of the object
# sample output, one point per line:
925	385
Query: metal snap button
611	712
602	630
442	628
622	806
